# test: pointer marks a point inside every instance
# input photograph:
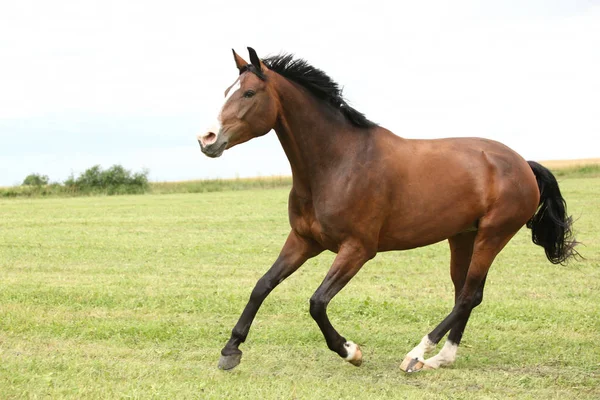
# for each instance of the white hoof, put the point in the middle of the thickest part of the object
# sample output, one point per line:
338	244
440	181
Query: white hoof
412	364
415	359
354	356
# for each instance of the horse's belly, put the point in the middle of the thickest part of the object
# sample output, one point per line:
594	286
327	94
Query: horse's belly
402	233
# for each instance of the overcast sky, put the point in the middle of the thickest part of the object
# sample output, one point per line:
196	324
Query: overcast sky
132	82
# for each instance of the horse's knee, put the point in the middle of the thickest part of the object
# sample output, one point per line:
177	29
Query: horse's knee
261	290
317	307
468	301
464	306
477	299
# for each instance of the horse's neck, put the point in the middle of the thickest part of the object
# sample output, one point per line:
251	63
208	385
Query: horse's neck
314	139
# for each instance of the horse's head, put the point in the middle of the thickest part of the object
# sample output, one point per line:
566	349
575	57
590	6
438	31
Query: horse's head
249	110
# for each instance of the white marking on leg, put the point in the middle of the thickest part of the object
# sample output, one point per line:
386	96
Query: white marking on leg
421	349
352	349
446	356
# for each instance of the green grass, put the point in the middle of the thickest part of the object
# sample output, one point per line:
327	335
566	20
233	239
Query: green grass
134	296
578	171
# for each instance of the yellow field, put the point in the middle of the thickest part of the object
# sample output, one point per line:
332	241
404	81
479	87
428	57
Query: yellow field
570	163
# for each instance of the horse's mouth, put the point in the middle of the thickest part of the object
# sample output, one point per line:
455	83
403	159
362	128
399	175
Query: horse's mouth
214	150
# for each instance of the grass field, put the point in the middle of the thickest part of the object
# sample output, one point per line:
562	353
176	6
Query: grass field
134	296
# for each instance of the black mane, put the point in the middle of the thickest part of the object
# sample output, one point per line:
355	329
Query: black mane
318	83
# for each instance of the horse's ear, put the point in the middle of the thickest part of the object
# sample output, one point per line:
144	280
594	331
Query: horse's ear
255	60
240	63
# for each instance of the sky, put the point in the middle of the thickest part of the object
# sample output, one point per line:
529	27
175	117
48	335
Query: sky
133	82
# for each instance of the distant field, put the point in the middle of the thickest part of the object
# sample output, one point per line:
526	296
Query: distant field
198	186
557	164
134	296
219	185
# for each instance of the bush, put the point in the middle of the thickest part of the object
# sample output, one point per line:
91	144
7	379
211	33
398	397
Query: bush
36	180
115	180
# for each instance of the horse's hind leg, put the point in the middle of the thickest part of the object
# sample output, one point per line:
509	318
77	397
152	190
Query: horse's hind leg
294	253
350	258
461	249
489	240
447	355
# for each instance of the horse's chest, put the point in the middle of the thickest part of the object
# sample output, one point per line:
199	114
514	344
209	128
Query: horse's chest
309	222
324	235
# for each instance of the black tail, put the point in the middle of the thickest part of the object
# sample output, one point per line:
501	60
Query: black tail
551	226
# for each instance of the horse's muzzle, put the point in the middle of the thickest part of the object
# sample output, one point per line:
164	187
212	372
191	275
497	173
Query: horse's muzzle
213	150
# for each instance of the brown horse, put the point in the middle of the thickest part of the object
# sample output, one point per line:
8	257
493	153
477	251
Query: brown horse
359	189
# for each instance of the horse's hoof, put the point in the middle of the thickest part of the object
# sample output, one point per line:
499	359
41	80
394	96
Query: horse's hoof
410	365
354	356
356	363
229	362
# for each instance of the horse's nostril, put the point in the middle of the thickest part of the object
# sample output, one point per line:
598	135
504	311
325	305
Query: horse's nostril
208	139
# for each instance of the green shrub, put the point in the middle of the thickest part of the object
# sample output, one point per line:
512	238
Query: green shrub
36	180
115	180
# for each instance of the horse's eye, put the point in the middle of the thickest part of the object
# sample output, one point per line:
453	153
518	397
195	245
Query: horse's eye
249	93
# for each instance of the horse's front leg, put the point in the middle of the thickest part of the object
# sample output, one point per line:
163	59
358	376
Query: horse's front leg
351	257
294	253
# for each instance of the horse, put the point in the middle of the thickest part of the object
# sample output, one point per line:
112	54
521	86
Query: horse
359	189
